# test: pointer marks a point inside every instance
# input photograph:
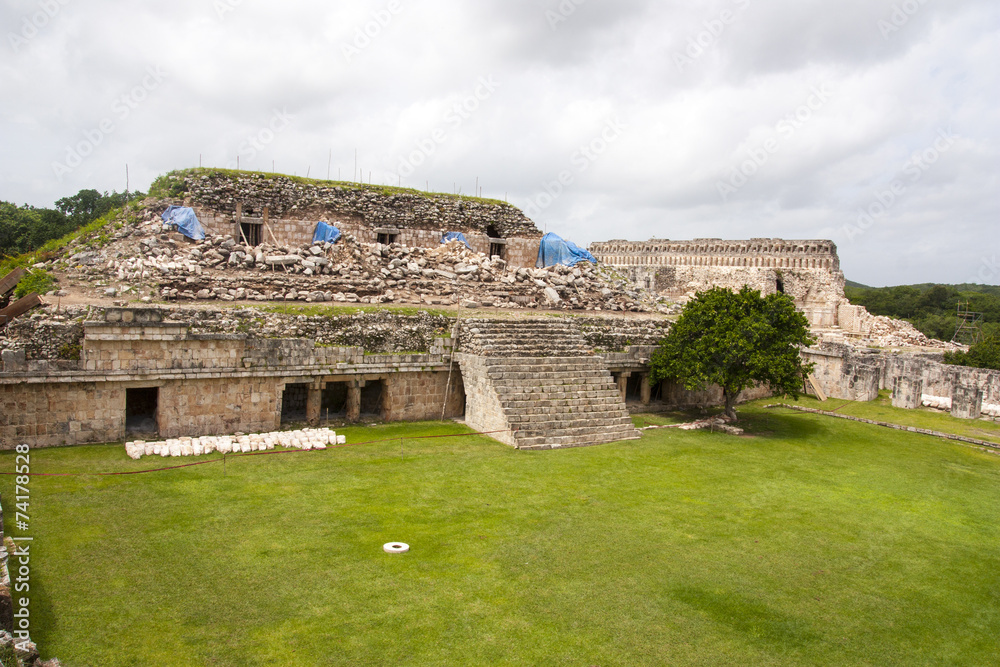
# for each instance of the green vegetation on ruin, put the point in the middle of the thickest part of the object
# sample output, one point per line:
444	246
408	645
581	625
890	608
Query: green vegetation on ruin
930	307
172	185
92	235
809	541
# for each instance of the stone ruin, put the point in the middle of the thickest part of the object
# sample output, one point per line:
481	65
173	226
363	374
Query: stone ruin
212	361
807	271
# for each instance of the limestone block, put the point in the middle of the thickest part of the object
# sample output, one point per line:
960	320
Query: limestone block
966	401
908	392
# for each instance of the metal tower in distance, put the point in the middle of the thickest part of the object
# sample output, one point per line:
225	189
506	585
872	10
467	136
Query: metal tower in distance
969	331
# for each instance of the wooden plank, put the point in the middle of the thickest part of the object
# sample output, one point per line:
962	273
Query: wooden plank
273	237
10	281
19	307
815	385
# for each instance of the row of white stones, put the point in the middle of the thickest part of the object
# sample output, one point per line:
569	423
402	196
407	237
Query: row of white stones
228	444
944	403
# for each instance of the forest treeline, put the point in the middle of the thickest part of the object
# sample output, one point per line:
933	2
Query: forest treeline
933	309
25	228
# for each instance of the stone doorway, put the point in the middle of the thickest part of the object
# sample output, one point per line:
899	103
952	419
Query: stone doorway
372	398
333	404
141	406
293	403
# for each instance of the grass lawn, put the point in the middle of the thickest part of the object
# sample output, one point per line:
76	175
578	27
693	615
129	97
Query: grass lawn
811	541
882	410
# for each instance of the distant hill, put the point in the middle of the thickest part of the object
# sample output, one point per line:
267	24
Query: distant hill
852	284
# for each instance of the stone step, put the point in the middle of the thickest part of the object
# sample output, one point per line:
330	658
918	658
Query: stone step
562	402
595	412
558	442
559	426
604	409
553	380
545	366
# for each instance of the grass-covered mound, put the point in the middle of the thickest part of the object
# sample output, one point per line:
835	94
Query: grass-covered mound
811	541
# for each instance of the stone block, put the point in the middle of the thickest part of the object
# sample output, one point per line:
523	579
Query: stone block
907	392
966	401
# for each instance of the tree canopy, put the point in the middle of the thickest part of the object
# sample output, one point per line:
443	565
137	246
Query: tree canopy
984	354
26	228
930	307
736	340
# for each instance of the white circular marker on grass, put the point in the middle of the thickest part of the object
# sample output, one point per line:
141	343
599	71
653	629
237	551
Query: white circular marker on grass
395	548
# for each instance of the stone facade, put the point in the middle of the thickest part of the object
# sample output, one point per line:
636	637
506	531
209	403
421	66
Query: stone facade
286	211
843	372
808	271
138	372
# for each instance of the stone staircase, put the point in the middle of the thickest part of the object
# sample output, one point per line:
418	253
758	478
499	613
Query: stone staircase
539	379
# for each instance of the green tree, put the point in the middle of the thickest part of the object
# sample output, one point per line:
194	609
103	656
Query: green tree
88	205
984	354
736	340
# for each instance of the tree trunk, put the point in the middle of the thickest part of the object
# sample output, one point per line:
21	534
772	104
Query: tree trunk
731	404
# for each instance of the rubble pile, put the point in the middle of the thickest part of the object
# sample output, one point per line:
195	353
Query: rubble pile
170	267
887	332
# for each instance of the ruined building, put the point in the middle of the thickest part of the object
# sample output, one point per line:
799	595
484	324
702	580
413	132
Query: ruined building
807	271
259	208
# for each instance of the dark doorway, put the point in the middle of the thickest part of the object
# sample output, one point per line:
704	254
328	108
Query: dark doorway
633	388
140	410
293	403
252	232
334	401
498	247
371	398
386	238
779	285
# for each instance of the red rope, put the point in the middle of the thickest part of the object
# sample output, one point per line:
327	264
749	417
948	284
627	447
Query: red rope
241	455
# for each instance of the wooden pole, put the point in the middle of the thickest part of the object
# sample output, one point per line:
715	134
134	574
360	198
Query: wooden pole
270	231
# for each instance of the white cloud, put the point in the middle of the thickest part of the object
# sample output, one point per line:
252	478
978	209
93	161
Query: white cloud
690	124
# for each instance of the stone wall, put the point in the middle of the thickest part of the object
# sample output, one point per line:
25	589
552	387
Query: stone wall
808	271
52	414
217	407
293	206
416	396
483	411
845	373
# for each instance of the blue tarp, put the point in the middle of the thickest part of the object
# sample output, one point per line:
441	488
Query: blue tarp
555	250
455	236
325	232
186	221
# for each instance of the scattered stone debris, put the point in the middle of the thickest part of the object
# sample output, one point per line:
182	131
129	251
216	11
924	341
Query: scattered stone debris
715	424
142	262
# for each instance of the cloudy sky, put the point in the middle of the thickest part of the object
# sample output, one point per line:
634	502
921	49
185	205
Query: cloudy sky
870	122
